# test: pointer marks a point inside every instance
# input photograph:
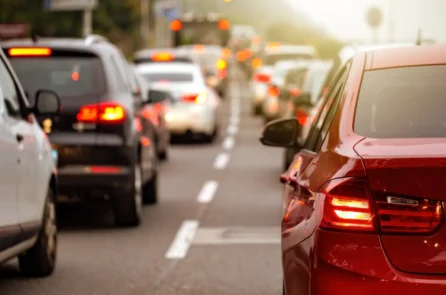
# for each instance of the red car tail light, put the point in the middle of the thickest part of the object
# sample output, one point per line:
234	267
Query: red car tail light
347	205
102	113
196	98
262	78
301	116
273	91
408	215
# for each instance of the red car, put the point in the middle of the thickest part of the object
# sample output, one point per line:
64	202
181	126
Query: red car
364	202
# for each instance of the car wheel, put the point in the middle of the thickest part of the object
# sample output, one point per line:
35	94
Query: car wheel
40	260
163	155
209	138
128	206
150	190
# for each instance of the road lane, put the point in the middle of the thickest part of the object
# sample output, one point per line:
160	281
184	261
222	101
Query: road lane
96	258
236	249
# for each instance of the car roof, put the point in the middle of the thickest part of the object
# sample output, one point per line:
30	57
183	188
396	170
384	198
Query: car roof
283	49
172	67
349	51
407	56
94	43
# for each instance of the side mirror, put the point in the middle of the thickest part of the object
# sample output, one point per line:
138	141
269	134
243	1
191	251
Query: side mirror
281	133
156	96
47	103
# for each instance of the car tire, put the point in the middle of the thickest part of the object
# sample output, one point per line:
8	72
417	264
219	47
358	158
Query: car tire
210	138
40	260
163	156
150	190
127	206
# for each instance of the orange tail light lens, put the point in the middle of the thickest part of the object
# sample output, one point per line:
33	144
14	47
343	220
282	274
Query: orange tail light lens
102	113
176	25
273	91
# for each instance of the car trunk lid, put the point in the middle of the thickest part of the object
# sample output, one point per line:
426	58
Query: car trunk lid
406	181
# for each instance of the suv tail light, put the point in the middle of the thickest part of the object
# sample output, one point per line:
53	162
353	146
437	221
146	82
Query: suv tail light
102	113
273	91
347	205
196	98
262	78
407	215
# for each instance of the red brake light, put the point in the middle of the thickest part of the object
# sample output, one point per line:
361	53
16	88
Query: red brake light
347	205
176	25
273	91
224	25
407	215
103	113
162	56
301	117
32	51
196	98
263	78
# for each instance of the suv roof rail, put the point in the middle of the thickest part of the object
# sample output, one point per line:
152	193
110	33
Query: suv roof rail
93	39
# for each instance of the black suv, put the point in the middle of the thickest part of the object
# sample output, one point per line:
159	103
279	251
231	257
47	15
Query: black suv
104	146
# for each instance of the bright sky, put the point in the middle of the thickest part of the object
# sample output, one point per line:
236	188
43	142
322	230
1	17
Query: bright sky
346	18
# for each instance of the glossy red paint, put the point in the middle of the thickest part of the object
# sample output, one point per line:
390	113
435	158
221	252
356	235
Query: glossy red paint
347	261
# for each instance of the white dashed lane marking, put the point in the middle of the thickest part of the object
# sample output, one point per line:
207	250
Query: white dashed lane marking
208	191
185	235
221	161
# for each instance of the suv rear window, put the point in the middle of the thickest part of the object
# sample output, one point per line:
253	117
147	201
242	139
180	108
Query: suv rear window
272	59
67	76
402	103
170	77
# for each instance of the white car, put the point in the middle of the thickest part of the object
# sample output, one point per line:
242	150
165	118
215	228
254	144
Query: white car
193	111
28	177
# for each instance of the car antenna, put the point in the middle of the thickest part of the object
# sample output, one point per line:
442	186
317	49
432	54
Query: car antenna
419	37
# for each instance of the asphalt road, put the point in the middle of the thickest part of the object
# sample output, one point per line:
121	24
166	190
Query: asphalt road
214	231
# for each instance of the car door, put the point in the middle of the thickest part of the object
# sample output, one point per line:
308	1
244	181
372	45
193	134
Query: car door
22	126
9	163
299	223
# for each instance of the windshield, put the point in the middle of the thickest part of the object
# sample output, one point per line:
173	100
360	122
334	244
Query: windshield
67	76
272	59
168	77
402	103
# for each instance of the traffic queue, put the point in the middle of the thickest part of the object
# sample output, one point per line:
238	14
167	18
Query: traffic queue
93	127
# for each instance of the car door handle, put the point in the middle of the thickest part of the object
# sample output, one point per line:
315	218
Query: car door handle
19	137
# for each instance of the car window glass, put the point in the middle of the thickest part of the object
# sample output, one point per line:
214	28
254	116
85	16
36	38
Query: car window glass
323	112
118	76
9	92
406	102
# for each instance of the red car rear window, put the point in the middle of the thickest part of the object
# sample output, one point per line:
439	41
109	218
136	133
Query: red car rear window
402	103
